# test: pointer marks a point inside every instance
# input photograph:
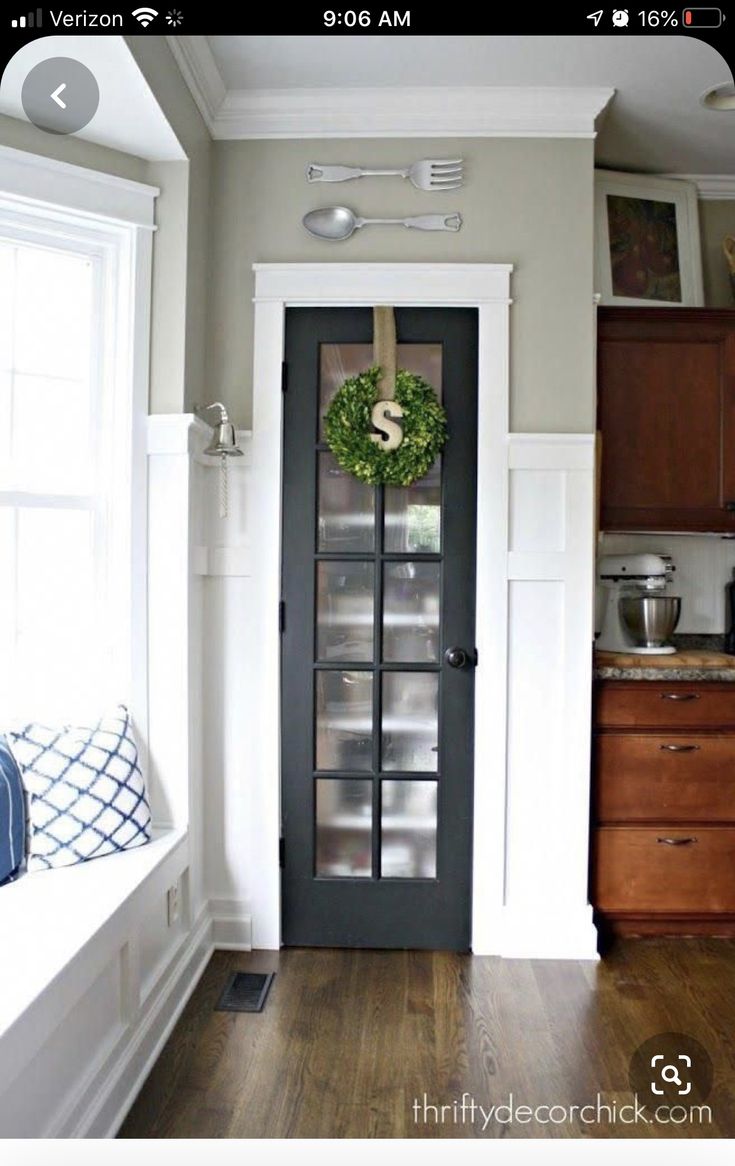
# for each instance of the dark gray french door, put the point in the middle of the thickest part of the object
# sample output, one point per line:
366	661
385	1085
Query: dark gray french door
377	653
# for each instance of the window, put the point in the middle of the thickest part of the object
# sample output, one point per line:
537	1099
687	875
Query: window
65	470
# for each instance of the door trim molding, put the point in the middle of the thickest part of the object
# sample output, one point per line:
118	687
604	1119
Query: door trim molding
446	285
486	287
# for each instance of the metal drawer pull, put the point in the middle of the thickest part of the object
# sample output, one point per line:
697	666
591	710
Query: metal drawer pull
680	748
676	841
680	696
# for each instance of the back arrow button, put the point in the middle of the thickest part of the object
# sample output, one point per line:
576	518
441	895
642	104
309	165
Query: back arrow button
60	95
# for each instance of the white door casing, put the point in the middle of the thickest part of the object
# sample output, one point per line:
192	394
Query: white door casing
534	621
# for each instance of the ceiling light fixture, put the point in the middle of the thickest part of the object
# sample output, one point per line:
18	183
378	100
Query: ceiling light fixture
722	97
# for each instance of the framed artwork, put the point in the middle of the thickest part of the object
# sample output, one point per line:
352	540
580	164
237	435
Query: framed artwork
647	249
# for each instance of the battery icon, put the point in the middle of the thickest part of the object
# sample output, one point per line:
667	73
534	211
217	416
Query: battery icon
702	17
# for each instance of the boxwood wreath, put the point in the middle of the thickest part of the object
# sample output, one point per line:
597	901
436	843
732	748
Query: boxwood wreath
348	425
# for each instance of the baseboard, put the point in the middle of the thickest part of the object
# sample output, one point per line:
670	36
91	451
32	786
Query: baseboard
538	934
232	925
105	1109
670	926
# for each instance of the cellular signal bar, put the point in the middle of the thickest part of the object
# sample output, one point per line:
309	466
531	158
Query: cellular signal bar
32	20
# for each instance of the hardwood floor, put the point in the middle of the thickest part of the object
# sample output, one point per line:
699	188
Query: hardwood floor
349	1039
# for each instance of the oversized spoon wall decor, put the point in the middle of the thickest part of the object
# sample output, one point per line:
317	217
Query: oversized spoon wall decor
336	223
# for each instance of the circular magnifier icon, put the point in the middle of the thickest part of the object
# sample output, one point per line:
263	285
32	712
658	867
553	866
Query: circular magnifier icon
670	1073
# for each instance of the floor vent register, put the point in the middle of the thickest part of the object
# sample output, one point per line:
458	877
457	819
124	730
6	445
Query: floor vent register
245	992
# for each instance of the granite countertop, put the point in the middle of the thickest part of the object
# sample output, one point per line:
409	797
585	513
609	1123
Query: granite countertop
697	658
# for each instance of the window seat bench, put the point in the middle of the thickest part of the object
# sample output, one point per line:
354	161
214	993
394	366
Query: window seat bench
58	927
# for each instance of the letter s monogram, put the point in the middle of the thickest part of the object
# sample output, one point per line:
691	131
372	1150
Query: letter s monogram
382	418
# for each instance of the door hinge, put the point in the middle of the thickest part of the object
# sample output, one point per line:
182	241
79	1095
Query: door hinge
282	616
284	377
281	852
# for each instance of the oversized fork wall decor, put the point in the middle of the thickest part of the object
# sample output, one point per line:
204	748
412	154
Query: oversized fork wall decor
432	174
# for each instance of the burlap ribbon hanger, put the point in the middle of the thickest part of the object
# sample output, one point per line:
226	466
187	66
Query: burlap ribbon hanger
390	433
384	349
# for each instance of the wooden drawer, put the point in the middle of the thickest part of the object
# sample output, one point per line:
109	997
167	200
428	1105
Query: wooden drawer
648	704
633	871
664	778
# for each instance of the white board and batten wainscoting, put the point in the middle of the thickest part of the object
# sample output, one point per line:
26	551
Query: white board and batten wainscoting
88	1039
534	634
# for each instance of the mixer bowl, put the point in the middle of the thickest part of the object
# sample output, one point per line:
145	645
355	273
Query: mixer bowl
650	619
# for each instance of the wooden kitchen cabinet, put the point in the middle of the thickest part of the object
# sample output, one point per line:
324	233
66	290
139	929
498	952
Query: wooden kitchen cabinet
663	808
667	881
666	412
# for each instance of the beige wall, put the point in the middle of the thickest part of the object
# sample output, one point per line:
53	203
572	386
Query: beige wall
181	275
717	219
526	202
168	287
21	135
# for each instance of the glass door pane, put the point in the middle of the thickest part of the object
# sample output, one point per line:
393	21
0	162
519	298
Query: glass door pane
346	516
408	830
411	612
344	828
344	612
344	720
413	515
410	721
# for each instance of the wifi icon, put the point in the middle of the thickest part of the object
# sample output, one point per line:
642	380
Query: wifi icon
144	16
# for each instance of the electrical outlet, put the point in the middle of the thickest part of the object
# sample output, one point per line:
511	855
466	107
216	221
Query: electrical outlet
173	905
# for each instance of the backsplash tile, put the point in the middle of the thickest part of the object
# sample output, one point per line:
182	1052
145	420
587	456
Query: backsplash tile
698	642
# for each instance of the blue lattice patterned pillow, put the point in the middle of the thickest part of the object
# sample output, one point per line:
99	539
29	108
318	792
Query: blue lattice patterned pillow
85	790
12	815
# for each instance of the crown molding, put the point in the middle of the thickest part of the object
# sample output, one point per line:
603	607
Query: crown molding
425	112
200	72
473	111
710	187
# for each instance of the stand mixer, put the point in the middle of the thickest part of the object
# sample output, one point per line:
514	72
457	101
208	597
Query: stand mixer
639	617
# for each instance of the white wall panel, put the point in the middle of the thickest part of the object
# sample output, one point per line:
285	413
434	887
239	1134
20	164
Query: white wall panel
550	565
535	706
156	943
536	511
73	1053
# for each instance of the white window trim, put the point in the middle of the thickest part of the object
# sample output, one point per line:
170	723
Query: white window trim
68	206
45	186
